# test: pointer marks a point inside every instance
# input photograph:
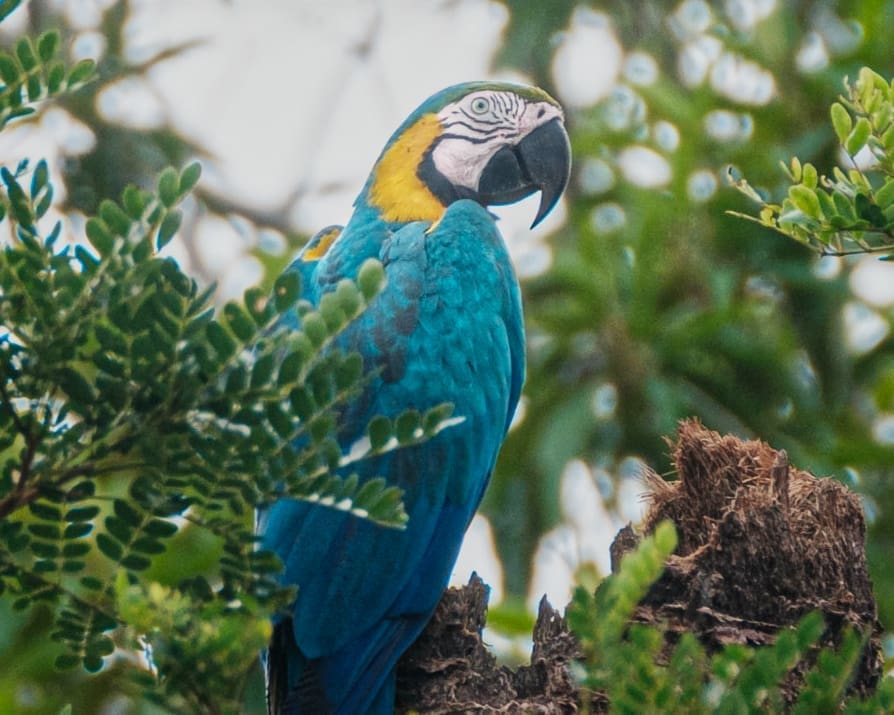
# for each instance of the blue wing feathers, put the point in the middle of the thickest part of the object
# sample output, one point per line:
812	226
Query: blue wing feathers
446	328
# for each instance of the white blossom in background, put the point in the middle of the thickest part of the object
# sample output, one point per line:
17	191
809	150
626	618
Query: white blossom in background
812	55
840	36
630	497
726	126
696	57
828	267
746	14
624	108
644	167
585	534
872	281
588	60
640	68
692	18
608	217
595	176
666	135
701	185
742	80
479	554
864	328
604	401
883	429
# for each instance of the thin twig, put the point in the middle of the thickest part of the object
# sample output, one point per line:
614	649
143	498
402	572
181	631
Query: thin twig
20	494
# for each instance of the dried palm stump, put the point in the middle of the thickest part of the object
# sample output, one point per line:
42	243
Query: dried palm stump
449	669
761	544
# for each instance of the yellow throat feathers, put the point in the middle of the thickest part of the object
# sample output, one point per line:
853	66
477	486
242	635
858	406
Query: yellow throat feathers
396	190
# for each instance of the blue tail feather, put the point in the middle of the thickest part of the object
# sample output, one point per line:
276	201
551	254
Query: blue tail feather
359	678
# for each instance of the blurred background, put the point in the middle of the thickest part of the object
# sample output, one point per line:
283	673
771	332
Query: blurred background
645	301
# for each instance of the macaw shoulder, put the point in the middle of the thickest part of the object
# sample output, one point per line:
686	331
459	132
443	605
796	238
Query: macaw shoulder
461	255
465	236
466	218
466	245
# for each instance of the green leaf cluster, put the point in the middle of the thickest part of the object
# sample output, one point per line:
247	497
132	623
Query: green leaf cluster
853	210
641	669
31	71
126	402
117	374
195	644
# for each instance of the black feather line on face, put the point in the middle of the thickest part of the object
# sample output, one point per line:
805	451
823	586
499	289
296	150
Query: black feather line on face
486	132
437	183
478	119
471	140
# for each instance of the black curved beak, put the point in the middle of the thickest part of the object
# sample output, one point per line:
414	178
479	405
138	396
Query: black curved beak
539	162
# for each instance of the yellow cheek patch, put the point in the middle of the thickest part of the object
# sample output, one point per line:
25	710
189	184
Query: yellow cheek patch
396	190
318	251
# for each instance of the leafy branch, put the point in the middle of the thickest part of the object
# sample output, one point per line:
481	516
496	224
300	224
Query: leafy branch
117	373
32	72
852	211
134	416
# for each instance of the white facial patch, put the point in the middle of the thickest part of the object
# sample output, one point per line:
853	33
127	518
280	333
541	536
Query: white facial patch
479	125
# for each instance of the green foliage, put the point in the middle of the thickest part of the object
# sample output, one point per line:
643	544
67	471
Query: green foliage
197	644
31	72
659	304
133	414
601	620
853	211
640	669
601	623
127	403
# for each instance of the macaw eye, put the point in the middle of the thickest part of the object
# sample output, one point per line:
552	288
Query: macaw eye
480	105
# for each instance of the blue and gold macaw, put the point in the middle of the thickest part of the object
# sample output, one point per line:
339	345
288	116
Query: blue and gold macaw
446	328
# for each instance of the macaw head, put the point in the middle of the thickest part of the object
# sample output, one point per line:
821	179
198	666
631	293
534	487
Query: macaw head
492	142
